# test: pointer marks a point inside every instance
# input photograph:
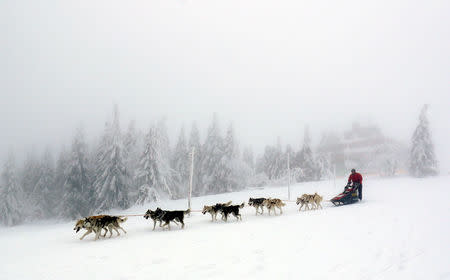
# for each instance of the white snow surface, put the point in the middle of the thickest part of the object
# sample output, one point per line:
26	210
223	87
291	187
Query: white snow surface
400	230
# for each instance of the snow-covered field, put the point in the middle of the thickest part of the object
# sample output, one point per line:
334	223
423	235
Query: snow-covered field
401	230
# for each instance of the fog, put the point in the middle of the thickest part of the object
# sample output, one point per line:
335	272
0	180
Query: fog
270	67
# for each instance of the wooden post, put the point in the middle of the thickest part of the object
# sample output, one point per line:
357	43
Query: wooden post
192	175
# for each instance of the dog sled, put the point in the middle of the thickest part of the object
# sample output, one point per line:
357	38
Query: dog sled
350	195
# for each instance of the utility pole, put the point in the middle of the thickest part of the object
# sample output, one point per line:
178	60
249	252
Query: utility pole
192	175
289	176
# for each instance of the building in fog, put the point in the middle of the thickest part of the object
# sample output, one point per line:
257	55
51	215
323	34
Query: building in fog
363	147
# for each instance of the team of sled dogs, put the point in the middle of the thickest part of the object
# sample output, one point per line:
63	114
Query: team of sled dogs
95	224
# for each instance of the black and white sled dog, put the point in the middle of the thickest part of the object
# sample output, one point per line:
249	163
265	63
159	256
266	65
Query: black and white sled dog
166	216
214	209
257	203
232	209
97	223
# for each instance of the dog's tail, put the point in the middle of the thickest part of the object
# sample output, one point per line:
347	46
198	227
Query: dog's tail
228	203
187	211
122	220
242	205
284	204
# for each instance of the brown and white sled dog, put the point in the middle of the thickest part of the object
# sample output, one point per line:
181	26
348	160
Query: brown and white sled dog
87	224
231	209
257	203
317	200
213	210
272	203
307	199
166	216
303	200
97	223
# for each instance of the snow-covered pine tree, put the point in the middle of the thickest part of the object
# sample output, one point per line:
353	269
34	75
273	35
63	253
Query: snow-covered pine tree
306	161
280	161
248	158
11	195
211	162
45	193
324	166
422	158
150	176
270	163
388	157
78	195
290	154
232	167
168	175
111	182
194	142
133	146
60	177
164	141
181	162
29	175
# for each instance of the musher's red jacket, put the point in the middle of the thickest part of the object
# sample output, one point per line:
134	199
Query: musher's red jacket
356	177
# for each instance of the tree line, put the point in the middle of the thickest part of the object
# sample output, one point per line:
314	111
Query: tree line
130	167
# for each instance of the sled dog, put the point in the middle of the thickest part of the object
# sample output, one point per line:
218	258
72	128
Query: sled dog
110	222
317	200
231	209
257	203
155	216
307	199
87	224
166	216
271	203
97	223
214	209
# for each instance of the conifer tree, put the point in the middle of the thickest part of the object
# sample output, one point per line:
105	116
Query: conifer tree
211	162
77	190
111	183
60	176
271	162
29	175
248	158
305	160
132	150
230	162
152	175
45	193
422	158
181	165
11	195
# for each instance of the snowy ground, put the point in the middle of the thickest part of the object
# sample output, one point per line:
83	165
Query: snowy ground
401	230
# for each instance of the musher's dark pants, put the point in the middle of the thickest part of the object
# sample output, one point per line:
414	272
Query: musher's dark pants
359	186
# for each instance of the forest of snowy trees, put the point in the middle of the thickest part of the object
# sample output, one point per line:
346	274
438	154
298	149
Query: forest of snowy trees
128	166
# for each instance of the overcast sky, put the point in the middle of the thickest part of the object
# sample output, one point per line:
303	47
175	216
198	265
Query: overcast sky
269	66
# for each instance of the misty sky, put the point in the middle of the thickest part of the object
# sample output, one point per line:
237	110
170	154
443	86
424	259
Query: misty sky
269	66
